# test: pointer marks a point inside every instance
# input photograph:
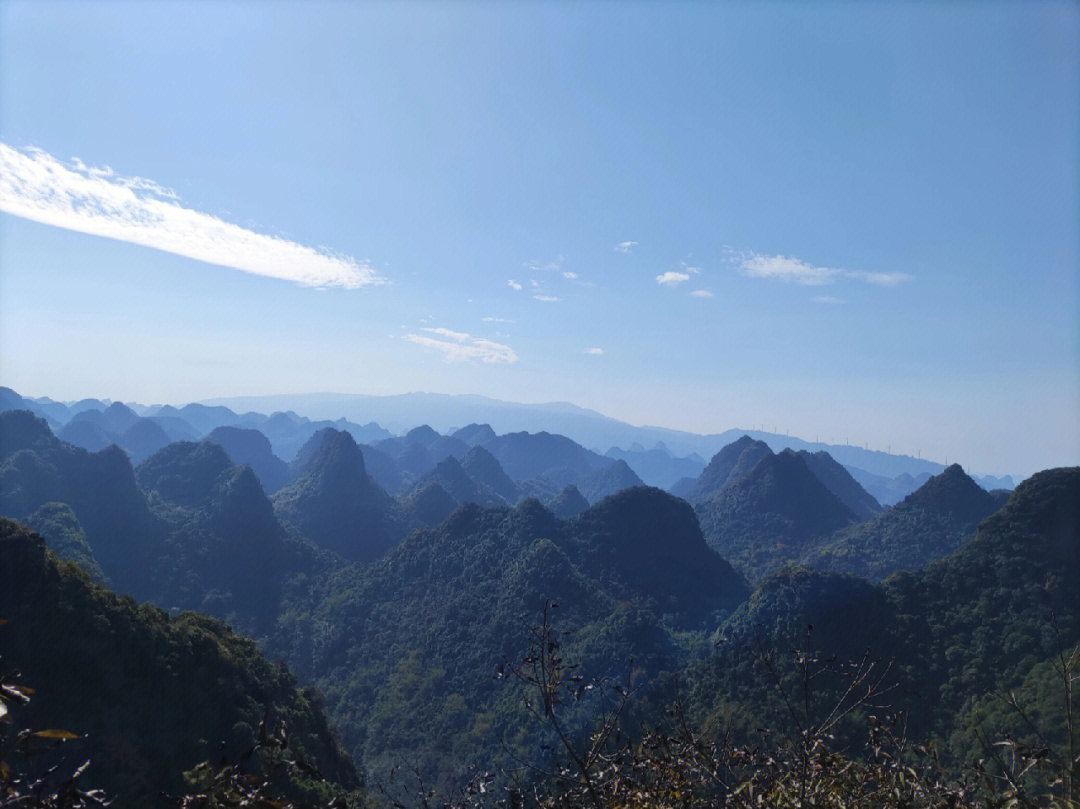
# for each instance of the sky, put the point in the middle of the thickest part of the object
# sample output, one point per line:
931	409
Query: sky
847	222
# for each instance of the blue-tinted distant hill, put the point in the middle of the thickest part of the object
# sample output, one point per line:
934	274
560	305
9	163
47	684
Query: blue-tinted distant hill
587	427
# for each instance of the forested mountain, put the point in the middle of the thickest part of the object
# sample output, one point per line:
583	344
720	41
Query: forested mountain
149	696
405	649
335	504
978	621
401	611
772	514
928	524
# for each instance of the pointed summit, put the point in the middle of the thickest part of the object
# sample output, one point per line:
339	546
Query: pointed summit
729	465
335	504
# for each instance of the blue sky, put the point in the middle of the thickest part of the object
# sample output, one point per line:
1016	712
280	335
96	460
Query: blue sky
847	221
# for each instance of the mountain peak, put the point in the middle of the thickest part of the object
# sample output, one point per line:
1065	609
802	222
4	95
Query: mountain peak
952	493
731	464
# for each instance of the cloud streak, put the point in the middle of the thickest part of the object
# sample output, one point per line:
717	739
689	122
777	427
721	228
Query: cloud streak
35	185
456	346
793	270
625	247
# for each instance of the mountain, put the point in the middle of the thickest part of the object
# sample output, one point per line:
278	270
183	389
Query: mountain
86	434
650	542
37	468
149	695
609	480
976	622
406	648
428	505
482	467
839	481
57	524
586	427
475	435
384	470
888	490
450	475
928	524
657	466
250	447
335	504
142	439
568	504
730	465
771	516
543	455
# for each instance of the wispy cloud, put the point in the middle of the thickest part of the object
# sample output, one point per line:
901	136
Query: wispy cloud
571	276
596	352
794	270
625	247
456	346
514	285
701	293
551	266
672	278
827	299
35	185
546	298
496	320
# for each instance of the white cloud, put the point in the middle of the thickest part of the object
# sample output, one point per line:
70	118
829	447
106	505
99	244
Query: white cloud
625	247
796	271
572	276
514	285
826	299
671	278
496	320
458	336
551	266
546	298
596	352
35	185
457	346
701	293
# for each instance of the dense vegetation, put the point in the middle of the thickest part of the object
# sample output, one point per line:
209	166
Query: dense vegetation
149	696
405	610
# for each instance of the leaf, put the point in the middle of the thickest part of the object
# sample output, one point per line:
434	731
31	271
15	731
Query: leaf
55	733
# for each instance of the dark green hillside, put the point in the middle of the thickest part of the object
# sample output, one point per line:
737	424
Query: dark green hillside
335	504
928	524
428	505
153	695
644	542
406	648
981	621
57	525
568	503
772	516
224	552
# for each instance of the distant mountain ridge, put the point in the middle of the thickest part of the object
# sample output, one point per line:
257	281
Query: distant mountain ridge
287	431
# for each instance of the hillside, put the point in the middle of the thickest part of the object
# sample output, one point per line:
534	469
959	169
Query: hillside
928	524
151	695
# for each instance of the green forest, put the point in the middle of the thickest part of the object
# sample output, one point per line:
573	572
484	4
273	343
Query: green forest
181	633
